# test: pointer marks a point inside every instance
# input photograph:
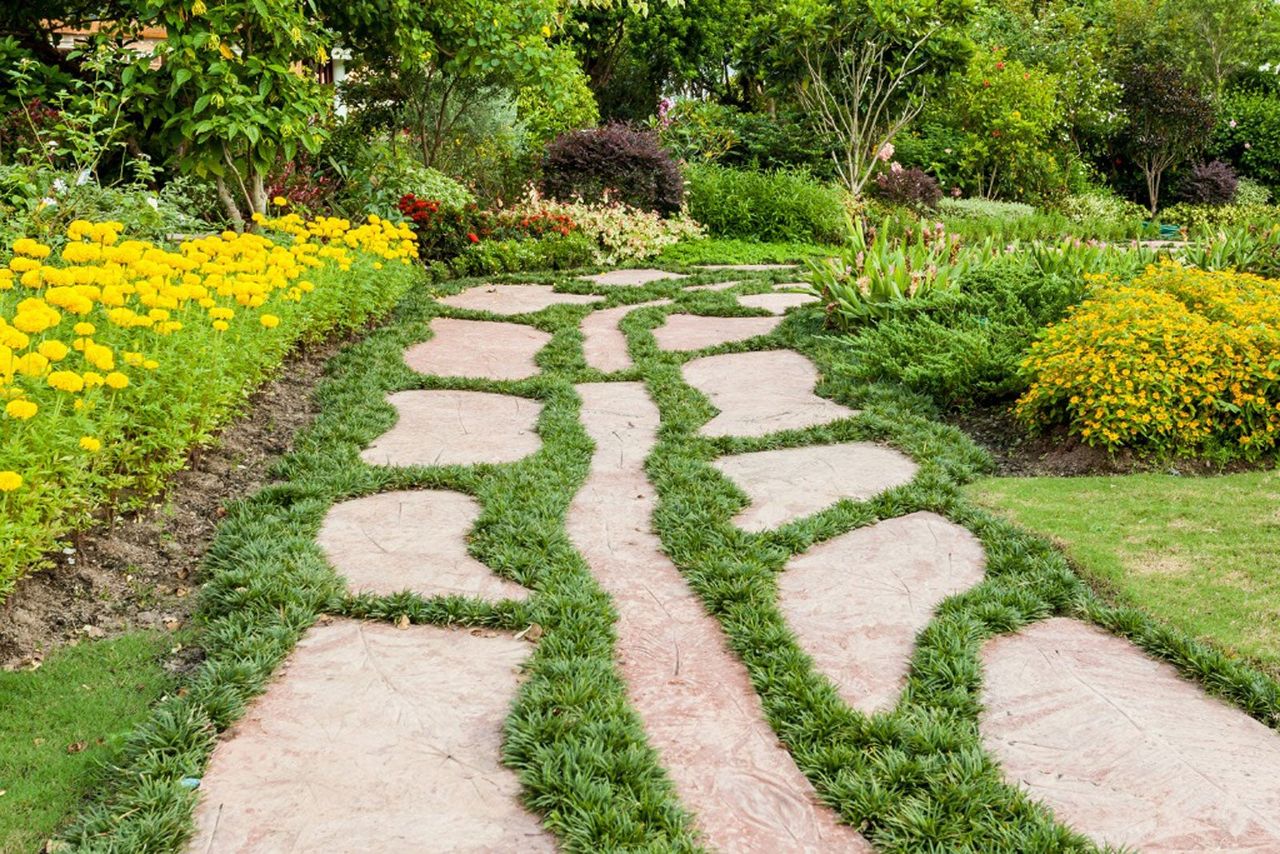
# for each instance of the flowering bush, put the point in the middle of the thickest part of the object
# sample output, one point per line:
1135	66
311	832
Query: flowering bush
619	233
1178	360
117	355
443	231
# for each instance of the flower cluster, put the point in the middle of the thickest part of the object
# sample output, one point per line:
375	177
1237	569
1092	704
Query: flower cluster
109	344
621	233
1178	360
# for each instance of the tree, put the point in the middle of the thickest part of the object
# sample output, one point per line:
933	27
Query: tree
1222	37
863	70
1169	121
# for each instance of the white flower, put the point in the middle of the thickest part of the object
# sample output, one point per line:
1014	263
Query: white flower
59	185
154	202
82	178
1231	123
49	201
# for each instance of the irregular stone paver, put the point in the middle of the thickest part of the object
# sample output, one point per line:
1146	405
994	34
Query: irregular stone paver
478	348
603	345
441	428
776	303
1125	750
761	393
374	738
693	696
791	483
856	602
514	299
717	286
414	540
695	332
747	268
632	278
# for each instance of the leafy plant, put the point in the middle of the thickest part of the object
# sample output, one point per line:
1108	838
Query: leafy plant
876	274
910	188
1249	135
613	163
783	206
1169	122
1250	193
1212	183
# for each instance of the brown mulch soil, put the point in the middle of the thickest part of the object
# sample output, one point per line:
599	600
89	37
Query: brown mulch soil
141	571
1056	453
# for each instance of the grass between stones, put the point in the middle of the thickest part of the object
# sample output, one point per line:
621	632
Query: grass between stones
1200	553
915	779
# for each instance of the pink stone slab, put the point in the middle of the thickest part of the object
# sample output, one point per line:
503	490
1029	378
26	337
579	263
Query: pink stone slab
777	302
478	348
514	299
374	738
694	332
856	602
747	268
1125	750
414	540
789	484
693	696
632	278
603	345
718	286
441	428
761	393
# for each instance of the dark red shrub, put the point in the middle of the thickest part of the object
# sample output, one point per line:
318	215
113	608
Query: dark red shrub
25	129
911	188
1212	183
303	184
615	163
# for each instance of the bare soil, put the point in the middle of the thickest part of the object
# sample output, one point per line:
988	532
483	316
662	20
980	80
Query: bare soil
141	570
1056	453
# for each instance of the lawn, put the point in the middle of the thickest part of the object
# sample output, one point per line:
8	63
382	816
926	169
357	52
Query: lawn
57	722
1202	554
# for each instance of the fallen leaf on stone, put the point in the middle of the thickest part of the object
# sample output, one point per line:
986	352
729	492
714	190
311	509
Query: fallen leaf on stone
531	634
172	623
402	622
182	592
76	746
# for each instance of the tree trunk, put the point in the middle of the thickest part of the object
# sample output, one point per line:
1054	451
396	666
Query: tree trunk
229	204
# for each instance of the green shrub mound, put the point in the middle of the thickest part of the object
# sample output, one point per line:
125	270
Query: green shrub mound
965	346
781	206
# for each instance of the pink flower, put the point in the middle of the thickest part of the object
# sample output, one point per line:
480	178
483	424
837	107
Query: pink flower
1231	123
895	166
886	152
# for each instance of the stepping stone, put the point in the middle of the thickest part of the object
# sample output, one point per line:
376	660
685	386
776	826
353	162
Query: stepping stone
414	540
692	694
457	428
793	483
761	393
695	332
514	299
776	303
1125	750
632	278
718	286
478	348
374	738
747	268
603	345
856	602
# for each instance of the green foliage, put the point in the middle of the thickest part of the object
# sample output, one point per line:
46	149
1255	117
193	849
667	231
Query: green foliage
552	252
964	347
1100	206
733	251
985	209
380	173
1251	193
781	206
1198	218
1248	134
547	111
24	77
1007	112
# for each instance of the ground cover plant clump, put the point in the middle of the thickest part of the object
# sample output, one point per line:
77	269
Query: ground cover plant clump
119	355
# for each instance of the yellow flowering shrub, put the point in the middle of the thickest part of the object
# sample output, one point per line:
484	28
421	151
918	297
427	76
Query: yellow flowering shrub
117	355
1178	360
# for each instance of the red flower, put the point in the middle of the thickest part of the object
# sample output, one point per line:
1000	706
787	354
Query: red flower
999	66
472	237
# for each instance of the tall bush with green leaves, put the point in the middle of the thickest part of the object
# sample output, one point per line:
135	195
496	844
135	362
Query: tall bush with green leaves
781	206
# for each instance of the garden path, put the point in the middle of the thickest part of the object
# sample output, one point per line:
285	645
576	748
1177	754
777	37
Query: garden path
388	736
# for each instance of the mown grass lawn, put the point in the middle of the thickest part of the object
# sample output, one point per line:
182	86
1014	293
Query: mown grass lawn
58	721
1202	553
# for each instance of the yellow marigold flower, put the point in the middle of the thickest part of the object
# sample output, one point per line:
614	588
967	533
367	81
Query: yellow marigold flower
116	380
9	481
280	201
31	364
54	351
91	444
270	321
83	328
21	409
68	381
150	364
221	325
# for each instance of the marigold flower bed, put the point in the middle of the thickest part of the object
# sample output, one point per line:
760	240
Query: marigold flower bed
1178	360
117	356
